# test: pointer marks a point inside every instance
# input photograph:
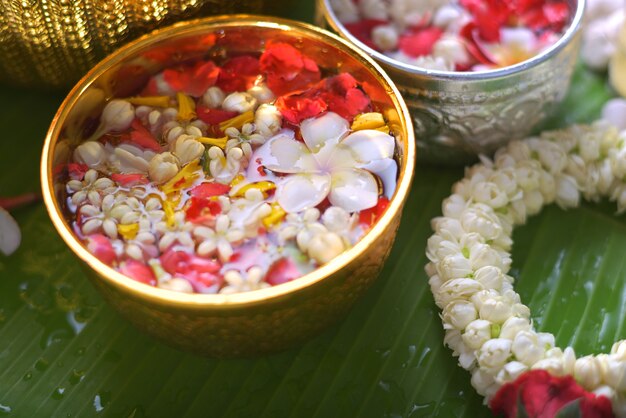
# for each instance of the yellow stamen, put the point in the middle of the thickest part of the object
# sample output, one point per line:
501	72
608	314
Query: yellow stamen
238	121
238	179
128	231
186	107
154	101
169	207
372	120
263	186
183	179
218	142
384	129
275	217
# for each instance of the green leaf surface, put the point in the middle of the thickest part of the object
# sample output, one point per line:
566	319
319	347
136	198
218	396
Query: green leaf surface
65	353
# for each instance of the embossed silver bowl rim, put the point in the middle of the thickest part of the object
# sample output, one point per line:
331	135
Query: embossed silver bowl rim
545	55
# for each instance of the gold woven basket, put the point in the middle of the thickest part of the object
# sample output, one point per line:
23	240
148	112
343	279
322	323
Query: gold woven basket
52	43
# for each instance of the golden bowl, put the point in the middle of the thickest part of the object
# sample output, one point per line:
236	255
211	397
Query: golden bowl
241	324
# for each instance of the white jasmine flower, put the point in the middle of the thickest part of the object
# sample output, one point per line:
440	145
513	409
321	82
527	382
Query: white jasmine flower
338	220
224	168
567	194
480	218
105	215
163	167
477	333
513	326
268	120
489	194
435	284
451	49
243	139
385	37
129	159
454	341
325	246
180	234
187	149
373	9
528	174
447	16
175	129
213	97
484	383
345	10
261	93
237	282
587	372
448	228
91	153
90	189
116	116
510	372
457	289
494	354
453	206
301	226
490	277
482	255
176	284
619	349
458	314
247	213
239	102
614	112
528	348
614	373
454	267
496	310
220	240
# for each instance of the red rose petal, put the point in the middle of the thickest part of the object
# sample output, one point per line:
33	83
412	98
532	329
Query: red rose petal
544	395
369	216
238	73
297	108
214	116
282	271
77	171
141	136
138	271
202	273
129	180
202	210
419	43
362	30
193	80
206	190
100	246
287	69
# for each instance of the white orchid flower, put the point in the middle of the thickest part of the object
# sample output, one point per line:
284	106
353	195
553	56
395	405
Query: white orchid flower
329	164
10	235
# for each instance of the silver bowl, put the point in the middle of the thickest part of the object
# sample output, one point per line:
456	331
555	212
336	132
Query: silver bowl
458	115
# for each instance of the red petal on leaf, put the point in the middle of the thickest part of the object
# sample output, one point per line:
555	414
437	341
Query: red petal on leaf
193	80
101	248
141	136
214	116
362	30
543	395
420	42
282	271
138	271
206	190
238	73
287	69
77	171
129	180
369	216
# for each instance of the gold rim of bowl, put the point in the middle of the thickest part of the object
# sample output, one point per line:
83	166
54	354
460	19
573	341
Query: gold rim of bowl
220	301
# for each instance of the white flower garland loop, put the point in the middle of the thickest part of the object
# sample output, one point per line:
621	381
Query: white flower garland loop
486	325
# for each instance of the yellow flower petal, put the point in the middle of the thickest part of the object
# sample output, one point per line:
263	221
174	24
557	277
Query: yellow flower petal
169	207
238	121
274	218
128	231
372	120
185	178
186	107
218	142
263	186
153	101
238	179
